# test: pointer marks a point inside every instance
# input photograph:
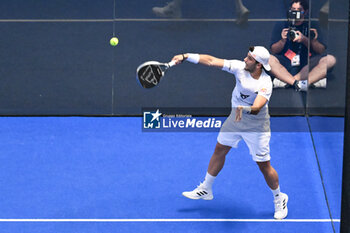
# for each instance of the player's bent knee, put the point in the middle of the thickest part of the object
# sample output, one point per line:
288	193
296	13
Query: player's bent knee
331	61
264	166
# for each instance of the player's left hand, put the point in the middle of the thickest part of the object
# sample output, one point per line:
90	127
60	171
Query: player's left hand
239	111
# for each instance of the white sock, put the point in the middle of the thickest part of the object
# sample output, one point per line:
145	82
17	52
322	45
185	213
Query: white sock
209	180
276	192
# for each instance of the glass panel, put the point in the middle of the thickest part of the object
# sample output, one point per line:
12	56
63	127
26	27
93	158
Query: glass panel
326	95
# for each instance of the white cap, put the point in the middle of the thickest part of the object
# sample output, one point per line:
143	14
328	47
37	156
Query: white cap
261	55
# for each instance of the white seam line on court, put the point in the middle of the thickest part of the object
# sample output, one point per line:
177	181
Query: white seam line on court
145	20
169	220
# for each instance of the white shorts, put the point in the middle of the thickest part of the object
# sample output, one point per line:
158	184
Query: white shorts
255	133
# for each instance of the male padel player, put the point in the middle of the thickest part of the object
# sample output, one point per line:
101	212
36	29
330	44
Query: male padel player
249	120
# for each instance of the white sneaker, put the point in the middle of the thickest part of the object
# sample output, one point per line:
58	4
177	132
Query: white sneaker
278	83
199	193
321	83
302	84
171	10
281	209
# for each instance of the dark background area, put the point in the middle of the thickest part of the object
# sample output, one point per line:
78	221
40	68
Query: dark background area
56	59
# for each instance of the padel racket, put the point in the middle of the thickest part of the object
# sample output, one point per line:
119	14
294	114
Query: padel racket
150	73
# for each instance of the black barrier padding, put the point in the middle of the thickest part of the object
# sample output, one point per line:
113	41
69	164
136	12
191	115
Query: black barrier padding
56	69
68	68
286	102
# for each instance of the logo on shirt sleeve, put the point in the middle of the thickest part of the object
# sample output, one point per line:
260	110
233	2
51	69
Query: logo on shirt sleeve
263	90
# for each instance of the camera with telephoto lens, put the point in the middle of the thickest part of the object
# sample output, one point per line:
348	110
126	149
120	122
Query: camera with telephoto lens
292	33
292	17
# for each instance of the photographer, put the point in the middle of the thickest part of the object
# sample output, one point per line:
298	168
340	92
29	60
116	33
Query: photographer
289	44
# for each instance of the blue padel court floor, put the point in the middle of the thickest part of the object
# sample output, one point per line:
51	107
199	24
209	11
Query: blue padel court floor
104	174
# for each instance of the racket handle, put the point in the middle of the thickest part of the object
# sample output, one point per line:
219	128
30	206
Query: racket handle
172	63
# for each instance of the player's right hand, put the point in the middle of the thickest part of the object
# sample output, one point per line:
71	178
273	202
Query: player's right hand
284	33
179	58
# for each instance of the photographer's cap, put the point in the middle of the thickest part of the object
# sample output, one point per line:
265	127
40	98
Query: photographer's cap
261	55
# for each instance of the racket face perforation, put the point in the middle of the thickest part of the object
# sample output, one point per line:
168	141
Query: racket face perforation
149	75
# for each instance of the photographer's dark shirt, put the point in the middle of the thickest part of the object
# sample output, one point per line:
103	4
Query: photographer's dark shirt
298	48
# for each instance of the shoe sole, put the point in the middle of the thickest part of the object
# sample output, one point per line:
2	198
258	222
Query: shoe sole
197	198
287	210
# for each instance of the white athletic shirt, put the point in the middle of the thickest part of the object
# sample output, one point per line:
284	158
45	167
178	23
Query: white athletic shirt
247	88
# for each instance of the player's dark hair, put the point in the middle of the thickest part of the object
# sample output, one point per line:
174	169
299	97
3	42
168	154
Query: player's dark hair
304	3
251	49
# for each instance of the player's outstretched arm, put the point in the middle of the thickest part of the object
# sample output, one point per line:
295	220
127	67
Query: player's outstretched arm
204	59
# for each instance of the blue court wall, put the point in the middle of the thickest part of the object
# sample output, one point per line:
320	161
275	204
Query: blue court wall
55	57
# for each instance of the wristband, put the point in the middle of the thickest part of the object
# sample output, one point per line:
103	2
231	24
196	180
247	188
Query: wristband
183	57
193	58
246	109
